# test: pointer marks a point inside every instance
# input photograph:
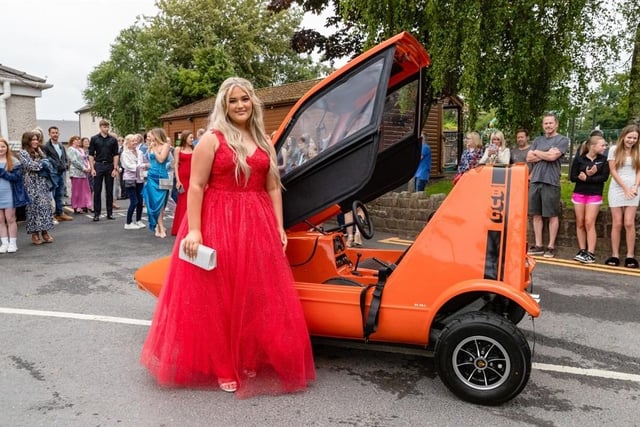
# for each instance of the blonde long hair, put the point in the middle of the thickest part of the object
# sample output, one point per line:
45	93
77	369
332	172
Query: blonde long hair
219	120
159	135
619	155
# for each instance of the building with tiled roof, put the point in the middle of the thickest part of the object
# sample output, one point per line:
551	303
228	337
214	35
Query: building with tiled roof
18	93
277	101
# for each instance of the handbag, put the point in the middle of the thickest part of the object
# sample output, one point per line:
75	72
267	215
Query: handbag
205	257
165	183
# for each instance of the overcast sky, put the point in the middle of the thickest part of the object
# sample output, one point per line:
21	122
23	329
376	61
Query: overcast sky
62	41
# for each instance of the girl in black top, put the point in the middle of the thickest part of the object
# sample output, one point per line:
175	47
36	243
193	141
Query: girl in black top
589	170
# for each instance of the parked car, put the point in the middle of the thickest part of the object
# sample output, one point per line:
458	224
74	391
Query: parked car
459	290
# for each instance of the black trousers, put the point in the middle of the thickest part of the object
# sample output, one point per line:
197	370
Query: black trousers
103	173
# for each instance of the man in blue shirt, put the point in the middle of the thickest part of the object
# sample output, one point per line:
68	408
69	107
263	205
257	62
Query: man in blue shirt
424	167
54	150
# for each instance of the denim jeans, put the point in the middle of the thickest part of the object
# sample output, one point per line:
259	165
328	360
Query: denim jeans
58	191
135	202
420	184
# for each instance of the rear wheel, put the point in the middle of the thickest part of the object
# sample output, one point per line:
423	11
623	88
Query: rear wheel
483	358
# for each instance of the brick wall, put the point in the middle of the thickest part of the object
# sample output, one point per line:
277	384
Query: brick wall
405	214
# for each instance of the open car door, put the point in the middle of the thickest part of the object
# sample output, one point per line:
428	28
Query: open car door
364	122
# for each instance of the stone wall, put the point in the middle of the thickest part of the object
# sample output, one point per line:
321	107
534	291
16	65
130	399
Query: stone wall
405	214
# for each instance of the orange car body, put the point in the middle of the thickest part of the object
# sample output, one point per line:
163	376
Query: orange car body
474	243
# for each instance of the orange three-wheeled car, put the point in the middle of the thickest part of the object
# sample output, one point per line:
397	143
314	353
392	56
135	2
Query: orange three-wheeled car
460	289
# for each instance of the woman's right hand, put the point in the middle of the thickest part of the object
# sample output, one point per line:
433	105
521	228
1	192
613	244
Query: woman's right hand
191	242
630	193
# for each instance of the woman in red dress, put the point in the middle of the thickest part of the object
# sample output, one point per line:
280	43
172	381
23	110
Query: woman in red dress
182	155
239	326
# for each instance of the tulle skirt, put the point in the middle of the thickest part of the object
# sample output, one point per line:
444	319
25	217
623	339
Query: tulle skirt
243	320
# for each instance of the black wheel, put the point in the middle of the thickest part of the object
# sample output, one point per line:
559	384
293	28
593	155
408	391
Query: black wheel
362	219
483	358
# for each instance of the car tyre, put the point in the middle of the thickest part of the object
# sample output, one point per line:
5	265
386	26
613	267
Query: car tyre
483	358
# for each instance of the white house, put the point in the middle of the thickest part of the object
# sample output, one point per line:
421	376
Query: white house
88	121
18	93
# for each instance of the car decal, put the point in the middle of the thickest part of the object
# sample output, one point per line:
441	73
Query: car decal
495	254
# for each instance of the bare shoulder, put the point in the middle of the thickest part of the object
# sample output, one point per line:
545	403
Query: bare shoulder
208	142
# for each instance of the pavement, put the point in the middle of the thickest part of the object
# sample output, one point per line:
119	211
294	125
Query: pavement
74	322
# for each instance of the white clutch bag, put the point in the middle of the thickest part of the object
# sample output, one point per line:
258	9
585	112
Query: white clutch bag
205	258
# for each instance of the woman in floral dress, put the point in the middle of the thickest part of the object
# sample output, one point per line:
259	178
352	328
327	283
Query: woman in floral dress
34	169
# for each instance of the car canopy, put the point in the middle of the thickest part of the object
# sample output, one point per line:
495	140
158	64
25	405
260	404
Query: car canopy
355	135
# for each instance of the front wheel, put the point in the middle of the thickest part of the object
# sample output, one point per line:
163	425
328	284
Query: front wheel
483	358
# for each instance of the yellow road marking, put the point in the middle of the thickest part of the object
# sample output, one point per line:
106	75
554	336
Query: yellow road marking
594	267
396	241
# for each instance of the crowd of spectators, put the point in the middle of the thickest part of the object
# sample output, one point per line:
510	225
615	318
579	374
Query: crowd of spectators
43	177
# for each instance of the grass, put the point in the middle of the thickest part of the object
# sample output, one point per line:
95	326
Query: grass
444	186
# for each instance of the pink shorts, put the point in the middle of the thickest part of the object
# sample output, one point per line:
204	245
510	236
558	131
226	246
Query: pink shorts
586	199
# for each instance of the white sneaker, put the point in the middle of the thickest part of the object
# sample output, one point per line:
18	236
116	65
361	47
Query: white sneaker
140	224
4	248
12	248
131	226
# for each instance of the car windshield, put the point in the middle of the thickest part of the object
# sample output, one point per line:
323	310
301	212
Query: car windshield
332	119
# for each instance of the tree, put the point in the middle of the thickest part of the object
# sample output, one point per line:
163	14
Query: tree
515	57
184	52
609	104
628	14
634	81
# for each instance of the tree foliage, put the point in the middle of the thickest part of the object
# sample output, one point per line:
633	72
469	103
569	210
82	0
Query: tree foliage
184	52
634	80
608	107
517	57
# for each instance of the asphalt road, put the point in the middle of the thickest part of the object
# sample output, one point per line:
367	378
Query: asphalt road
72	323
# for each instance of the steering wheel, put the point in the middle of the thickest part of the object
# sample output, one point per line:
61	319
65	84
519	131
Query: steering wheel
362	219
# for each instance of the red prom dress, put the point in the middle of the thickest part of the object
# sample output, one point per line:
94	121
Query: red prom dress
184	171
243	320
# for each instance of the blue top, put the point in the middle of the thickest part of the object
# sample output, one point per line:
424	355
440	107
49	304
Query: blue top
424	167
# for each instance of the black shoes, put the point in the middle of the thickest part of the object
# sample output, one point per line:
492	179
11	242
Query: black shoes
110	217
96	218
